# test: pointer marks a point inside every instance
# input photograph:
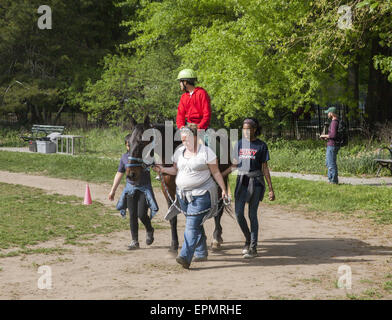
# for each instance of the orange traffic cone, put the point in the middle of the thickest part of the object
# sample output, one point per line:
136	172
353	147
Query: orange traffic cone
87	196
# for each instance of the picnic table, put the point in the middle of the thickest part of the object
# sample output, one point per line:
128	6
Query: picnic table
70	142
384	159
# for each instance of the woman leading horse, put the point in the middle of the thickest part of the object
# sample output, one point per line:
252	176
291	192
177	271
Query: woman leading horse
194	165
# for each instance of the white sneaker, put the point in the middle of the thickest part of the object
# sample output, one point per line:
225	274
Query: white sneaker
251	254
245	250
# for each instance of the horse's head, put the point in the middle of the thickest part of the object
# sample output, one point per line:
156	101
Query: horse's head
136	164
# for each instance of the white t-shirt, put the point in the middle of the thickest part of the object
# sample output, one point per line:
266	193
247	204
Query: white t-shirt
194	171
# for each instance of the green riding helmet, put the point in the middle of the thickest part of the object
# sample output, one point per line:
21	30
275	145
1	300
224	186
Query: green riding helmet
187	74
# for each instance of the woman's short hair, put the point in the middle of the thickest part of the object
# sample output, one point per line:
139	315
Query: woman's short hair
190	128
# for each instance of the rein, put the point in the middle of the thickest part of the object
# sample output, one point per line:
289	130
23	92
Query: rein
141	163
225	201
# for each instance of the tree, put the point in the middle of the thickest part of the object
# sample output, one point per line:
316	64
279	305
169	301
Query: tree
58	61
134	86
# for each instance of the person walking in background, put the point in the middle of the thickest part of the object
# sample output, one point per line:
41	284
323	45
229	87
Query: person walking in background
250	158
332	146
137	198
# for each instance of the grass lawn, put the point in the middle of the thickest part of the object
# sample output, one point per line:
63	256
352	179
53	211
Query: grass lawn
29	216
305	156
86	168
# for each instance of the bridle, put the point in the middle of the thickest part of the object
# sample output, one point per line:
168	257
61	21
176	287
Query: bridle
140	163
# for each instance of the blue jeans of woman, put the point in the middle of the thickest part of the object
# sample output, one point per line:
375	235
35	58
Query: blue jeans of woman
330	162
240	201
195	240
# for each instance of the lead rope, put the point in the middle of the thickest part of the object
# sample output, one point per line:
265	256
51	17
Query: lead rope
225	201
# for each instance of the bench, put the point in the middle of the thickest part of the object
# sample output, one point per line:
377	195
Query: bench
40	132
45	129
384	159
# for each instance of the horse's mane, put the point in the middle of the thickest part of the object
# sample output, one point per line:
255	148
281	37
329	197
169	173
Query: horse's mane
161	128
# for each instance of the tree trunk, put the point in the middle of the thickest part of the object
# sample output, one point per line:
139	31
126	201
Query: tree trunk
353	85
379	95
57	117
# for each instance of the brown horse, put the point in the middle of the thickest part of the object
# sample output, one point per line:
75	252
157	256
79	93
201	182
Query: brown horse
137	163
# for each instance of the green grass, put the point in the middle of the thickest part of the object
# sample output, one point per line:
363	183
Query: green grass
309	157
60	166
86	168
107	142
373	202
305	156
103	142
10	137
388	286
29	216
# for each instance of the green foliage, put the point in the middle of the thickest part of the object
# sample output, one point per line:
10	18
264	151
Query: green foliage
132	87
309	157
267	57
53	64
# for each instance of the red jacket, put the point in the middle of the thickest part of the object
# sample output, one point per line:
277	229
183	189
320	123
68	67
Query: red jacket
194	109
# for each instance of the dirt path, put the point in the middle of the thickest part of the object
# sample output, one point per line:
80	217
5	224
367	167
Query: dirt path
299	257
376	181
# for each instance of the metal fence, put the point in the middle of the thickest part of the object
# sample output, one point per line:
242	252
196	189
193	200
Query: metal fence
316	123
293	128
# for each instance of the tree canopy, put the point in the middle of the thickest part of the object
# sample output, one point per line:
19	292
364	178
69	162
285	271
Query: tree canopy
119	59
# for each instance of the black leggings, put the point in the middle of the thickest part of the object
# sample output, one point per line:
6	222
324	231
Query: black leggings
137	206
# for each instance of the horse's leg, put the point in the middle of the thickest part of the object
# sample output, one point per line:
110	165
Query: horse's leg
174	241
171	187
217	235
218	227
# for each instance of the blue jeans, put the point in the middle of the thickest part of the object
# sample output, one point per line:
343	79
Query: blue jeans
240	201
195	240
330	162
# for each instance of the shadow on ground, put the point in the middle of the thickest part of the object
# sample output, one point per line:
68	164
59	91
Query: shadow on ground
298	251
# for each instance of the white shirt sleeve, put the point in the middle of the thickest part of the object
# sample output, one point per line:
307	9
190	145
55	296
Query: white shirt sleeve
177	154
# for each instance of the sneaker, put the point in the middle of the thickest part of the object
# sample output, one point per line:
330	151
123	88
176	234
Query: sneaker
133	245
182	262
199	259
158	178
251	254
150	237
245	250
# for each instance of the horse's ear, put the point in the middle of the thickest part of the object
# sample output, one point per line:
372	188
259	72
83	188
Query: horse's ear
147	121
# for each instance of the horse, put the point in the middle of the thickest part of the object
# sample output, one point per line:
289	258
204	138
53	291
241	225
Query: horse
168	185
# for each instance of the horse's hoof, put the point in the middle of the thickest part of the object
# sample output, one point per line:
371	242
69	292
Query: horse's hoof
171	254
220	240
173	247
215	245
